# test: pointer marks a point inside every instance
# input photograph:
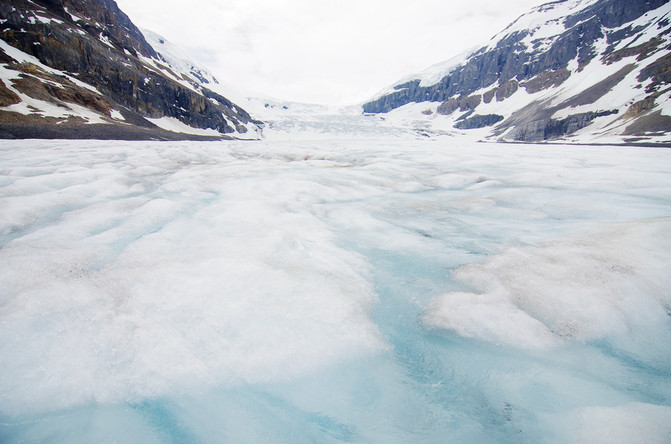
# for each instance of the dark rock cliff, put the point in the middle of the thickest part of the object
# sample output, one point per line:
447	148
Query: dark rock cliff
95	42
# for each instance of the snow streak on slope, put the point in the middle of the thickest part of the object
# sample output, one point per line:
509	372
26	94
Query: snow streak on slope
335	291
31	105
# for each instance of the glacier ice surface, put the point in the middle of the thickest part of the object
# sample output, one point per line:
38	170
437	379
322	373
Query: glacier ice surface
372	290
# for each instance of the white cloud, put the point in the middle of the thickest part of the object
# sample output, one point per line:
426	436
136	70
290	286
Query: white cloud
318	51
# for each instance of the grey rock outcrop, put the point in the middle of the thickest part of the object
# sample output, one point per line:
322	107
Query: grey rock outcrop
603	32
478	121
548	129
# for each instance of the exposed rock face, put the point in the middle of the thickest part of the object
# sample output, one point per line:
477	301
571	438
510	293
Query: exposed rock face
7	97
654	122
547	129
448	107
93	42
462	104
639	108
478	121
658	72
507	89
546	79
620	42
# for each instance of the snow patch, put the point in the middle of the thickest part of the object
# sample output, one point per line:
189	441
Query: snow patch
116	115
48	20
175	125
106	40
545	20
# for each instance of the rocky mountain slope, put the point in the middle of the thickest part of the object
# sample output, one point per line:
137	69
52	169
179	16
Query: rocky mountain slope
81	69
572	70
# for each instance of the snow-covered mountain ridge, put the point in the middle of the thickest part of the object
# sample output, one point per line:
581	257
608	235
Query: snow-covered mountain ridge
282	119
81	69
573	70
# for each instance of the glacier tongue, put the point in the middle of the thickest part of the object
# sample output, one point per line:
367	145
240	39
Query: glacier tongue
333	290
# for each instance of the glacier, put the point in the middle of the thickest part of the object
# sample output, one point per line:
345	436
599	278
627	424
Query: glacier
362	290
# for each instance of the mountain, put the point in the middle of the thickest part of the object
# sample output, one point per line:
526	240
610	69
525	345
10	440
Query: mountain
82	69
572	70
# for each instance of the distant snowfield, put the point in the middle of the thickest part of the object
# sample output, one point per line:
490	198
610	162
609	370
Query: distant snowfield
364	290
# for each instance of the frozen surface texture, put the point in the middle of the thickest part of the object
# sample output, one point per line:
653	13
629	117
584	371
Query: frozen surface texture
334	291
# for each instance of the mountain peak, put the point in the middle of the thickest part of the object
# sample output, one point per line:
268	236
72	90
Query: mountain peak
82	69
575	70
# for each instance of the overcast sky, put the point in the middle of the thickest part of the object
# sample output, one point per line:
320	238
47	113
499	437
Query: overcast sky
335	52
